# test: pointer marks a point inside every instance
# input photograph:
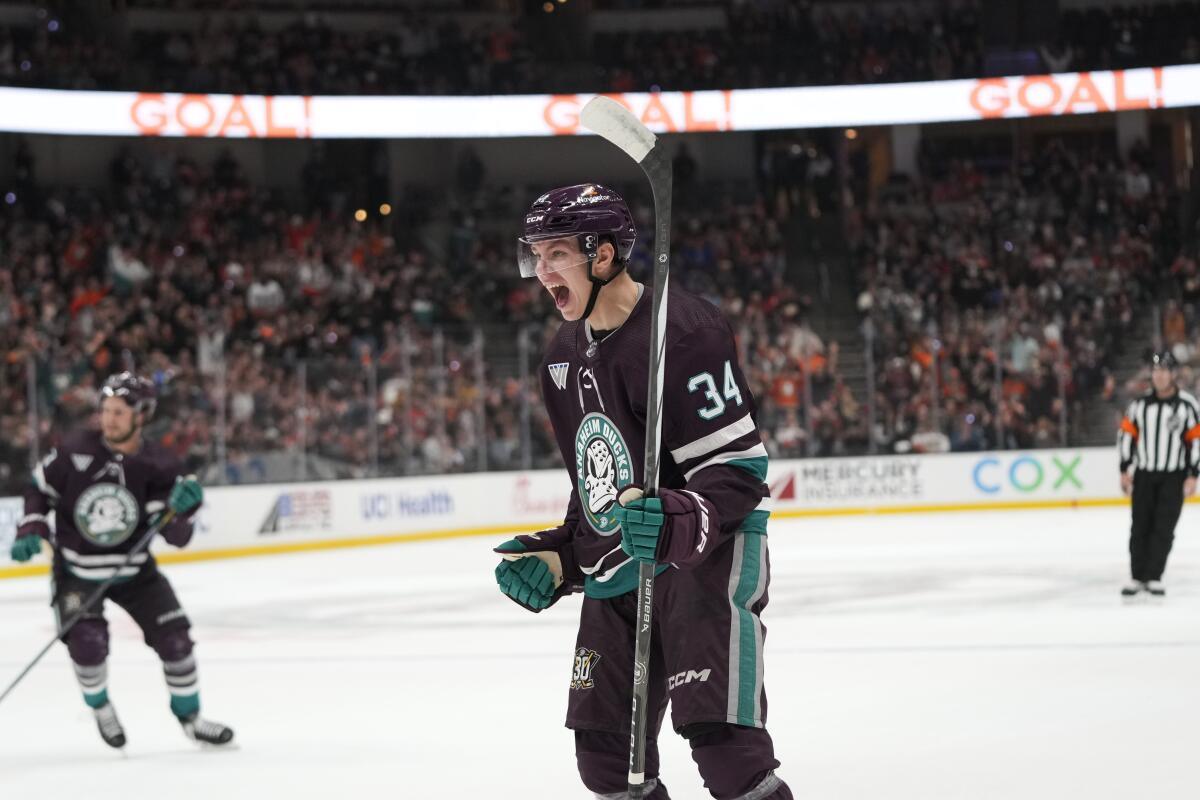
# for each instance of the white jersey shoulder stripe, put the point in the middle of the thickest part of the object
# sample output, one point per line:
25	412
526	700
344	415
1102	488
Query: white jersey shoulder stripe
715	440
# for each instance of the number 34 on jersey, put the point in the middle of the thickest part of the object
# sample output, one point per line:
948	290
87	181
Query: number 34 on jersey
718	402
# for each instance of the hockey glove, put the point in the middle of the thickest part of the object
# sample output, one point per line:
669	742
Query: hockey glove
533	573
186	495
25	547
30	531
670	528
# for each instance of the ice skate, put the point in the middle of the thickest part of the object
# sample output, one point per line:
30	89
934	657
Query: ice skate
206	731
1132	591
110	727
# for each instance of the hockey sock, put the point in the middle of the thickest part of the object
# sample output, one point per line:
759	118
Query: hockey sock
184	685
93	681
603	760
736	762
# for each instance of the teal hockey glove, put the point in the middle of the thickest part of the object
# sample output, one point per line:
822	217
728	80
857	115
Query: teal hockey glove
527	578
25	547
672	528
641	520
537	569
186	495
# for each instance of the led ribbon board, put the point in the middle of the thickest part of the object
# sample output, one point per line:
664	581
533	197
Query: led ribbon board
409	117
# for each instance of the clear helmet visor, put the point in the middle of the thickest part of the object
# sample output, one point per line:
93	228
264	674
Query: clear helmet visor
544	256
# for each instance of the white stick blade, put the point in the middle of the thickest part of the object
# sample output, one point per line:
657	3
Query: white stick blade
617	124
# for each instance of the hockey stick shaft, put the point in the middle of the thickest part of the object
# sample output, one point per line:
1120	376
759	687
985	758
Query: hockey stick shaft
96	594
658	170
616	124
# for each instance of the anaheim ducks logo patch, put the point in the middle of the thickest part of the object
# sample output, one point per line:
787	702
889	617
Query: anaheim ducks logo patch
602	469
106	514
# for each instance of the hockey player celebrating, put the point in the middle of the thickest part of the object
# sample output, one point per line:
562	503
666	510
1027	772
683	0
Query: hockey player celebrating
705	530
106	488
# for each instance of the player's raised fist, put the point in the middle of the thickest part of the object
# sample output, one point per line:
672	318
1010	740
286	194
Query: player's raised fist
186	495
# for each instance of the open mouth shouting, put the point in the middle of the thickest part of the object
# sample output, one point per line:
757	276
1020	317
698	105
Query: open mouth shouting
560	292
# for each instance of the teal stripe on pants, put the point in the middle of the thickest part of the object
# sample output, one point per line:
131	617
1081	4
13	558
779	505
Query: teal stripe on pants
745	678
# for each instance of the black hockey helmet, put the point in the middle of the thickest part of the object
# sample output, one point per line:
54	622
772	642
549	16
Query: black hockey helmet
138	392
1164	359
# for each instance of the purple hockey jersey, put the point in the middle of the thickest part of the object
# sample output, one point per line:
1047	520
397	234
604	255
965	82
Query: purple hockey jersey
103	502
595	393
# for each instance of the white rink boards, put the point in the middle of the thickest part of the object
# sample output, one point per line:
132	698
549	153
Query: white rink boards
960	655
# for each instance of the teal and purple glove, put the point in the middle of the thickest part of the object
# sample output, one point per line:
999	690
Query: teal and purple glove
642	521
186	495
537	569
672	528
25	547
31	530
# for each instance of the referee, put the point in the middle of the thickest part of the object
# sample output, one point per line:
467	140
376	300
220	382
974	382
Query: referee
1160	439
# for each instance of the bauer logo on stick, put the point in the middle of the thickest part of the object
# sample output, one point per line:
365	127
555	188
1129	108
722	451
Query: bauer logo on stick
106	514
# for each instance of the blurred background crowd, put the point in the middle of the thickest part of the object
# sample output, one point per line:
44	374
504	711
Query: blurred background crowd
492	48
997	295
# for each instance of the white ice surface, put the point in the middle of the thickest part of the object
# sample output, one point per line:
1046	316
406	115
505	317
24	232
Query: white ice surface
970	655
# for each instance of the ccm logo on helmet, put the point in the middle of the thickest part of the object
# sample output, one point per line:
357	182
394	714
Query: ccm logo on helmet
532	218
687	677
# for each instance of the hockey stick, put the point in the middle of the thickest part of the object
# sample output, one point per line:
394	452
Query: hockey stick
615	123
96	594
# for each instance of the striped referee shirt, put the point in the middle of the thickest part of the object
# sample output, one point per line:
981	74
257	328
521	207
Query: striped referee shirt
1161	434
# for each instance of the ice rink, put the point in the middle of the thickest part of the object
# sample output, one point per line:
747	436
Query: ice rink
963	655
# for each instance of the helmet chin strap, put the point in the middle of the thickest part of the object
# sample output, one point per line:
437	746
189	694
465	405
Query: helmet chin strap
599	283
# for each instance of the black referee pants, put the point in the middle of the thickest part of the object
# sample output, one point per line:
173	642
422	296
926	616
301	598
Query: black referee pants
1157	501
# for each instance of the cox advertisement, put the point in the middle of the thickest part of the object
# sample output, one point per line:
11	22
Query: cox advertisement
1032	474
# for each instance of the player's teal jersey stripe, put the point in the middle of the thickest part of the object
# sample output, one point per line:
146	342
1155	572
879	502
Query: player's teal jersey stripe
624	581
755	466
